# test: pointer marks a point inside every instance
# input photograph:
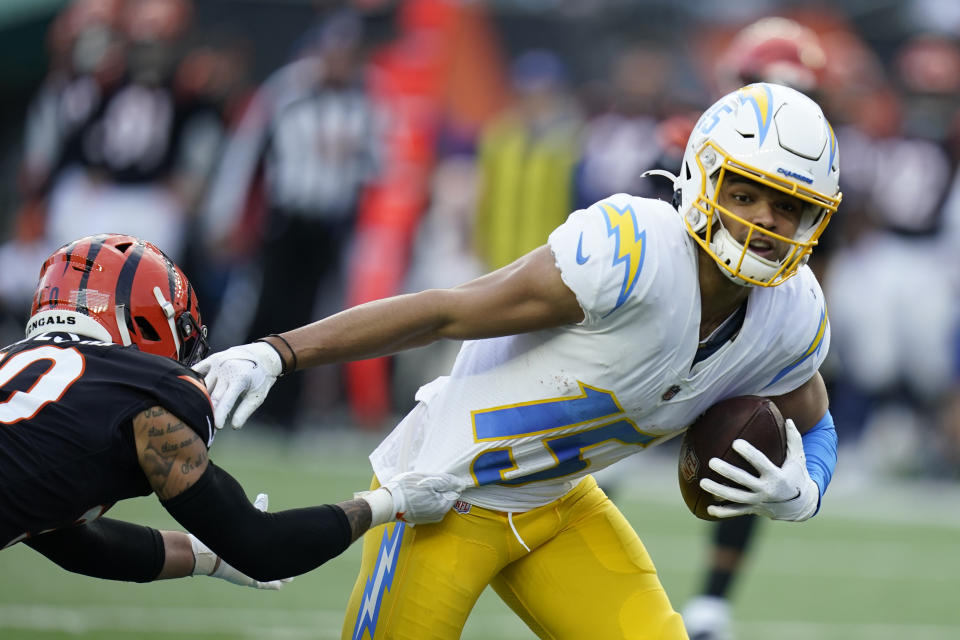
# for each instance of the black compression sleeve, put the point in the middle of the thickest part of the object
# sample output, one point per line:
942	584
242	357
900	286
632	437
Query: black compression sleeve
264	546
105	548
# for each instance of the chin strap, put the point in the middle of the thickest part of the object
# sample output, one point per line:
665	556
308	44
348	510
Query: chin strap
122	325
169	312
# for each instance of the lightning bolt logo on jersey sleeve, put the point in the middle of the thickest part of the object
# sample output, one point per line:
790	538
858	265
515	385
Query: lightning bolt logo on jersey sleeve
601	253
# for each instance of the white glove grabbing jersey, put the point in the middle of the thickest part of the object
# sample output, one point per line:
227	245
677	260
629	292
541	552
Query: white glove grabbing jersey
238	380
415	498
780	493
208	563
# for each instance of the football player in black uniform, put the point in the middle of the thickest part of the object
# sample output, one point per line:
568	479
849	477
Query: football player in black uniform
98	404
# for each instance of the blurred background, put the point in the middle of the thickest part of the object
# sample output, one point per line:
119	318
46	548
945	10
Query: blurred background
296	157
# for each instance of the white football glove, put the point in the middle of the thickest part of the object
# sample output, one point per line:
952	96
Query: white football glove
780	493
414	497
238	380
208	563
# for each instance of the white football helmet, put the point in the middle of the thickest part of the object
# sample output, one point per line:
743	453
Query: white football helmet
779	138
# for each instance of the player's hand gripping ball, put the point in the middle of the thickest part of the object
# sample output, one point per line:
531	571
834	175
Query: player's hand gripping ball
753	418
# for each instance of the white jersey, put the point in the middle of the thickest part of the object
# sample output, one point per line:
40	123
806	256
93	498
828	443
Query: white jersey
523	418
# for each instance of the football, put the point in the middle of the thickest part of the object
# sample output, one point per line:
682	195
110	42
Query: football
753	418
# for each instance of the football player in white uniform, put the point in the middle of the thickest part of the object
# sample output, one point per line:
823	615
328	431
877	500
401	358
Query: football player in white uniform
612	337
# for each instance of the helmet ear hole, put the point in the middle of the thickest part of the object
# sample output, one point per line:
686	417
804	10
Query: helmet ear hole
146	329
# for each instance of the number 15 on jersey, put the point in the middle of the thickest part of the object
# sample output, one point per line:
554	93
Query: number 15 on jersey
531	424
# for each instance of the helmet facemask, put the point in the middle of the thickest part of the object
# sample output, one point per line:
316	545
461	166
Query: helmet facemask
777	138
193	340
189	336
734	258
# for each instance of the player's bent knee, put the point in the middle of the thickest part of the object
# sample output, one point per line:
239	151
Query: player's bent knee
673	628
649	616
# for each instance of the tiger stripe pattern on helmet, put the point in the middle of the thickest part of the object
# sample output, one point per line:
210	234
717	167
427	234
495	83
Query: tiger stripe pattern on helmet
128	287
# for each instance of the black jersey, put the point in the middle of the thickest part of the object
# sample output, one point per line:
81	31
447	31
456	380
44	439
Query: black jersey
67	449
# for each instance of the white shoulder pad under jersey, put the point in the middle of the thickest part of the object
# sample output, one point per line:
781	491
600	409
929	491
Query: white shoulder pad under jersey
602	253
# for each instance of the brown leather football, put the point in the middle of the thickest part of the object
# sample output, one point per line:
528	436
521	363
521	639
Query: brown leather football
753	418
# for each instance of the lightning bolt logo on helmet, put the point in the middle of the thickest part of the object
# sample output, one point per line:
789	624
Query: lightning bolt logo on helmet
760	98
779	138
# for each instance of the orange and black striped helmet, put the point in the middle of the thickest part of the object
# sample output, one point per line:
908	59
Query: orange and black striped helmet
120	289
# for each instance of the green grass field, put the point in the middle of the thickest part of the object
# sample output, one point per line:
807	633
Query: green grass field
878	563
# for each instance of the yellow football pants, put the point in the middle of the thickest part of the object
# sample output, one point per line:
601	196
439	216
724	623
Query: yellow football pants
585	576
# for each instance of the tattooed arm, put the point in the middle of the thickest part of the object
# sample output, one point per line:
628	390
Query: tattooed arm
358	516
115	550
212	505
171	454
112	549
173	457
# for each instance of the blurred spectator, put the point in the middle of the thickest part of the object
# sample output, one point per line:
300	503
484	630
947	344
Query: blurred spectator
140	153
86	52
526	161
311	136
87	59
645	127
113	143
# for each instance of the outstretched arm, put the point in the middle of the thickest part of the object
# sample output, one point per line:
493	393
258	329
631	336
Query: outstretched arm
115	550
524	296
211	504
